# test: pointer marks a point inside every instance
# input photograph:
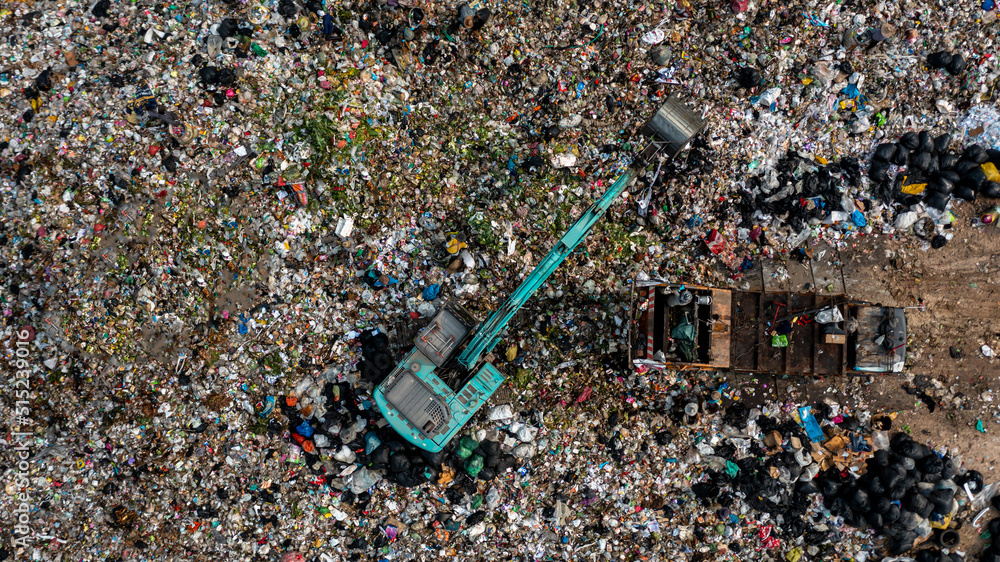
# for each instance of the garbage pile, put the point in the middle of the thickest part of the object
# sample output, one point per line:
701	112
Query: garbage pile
801	192
926	168
862	477
222	220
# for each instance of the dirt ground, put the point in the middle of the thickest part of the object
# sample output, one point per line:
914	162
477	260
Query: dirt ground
960	287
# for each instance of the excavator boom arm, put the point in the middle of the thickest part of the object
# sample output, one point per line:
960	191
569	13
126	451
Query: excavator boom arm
488	334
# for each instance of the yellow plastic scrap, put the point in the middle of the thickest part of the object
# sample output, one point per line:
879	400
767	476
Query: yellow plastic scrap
794	555
447	475
991	171
913	188
511	352
456	242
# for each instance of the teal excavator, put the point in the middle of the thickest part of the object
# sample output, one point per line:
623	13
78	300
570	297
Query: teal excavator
443	381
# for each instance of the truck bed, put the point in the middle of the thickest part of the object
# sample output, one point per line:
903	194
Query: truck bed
734	332
806	352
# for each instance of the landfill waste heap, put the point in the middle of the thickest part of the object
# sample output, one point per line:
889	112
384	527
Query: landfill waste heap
223	223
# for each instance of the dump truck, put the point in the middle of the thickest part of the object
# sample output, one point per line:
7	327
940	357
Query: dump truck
693	327
447	376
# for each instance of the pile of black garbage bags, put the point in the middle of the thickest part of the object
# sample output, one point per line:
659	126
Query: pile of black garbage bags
904	493
939	172
800	190
901	493
952	63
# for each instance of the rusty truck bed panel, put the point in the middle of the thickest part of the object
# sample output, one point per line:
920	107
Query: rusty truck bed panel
735	332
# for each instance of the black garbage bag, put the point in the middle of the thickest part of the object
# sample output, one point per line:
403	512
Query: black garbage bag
940	59
43	82
227	28
407	479
921	161
861	501
209	75
100	10
937	184
885	151
913	450
942	143
881	505
973	478
928	555
964	192
880	457
507	461
948	469
924	142
399	463
433	459
990	190
909	140
975	153
902	544
908	519
891	514
395	446
875	520
705	490
808	488
994	155
933	166
490	448
879	170
902	155
975	178
942	499
828	487
487	474
947	160
931	463
226	77
915	502
897	493
956	66
748	77
876	488
926	511
897	441
950	175
379	457
965	166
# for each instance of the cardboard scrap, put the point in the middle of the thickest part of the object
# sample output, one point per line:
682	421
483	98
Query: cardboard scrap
772	440
835	443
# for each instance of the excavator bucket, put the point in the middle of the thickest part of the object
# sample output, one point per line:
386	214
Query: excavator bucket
670	129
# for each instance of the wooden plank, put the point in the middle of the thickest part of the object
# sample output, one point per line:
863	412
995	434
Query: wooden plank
830	357
770	359
722	305
745	328
800	352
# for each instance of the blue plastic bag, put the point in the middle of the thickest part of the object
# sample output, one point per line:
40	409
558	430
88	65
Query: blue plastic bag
858	219
371	442
431	292
305	430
